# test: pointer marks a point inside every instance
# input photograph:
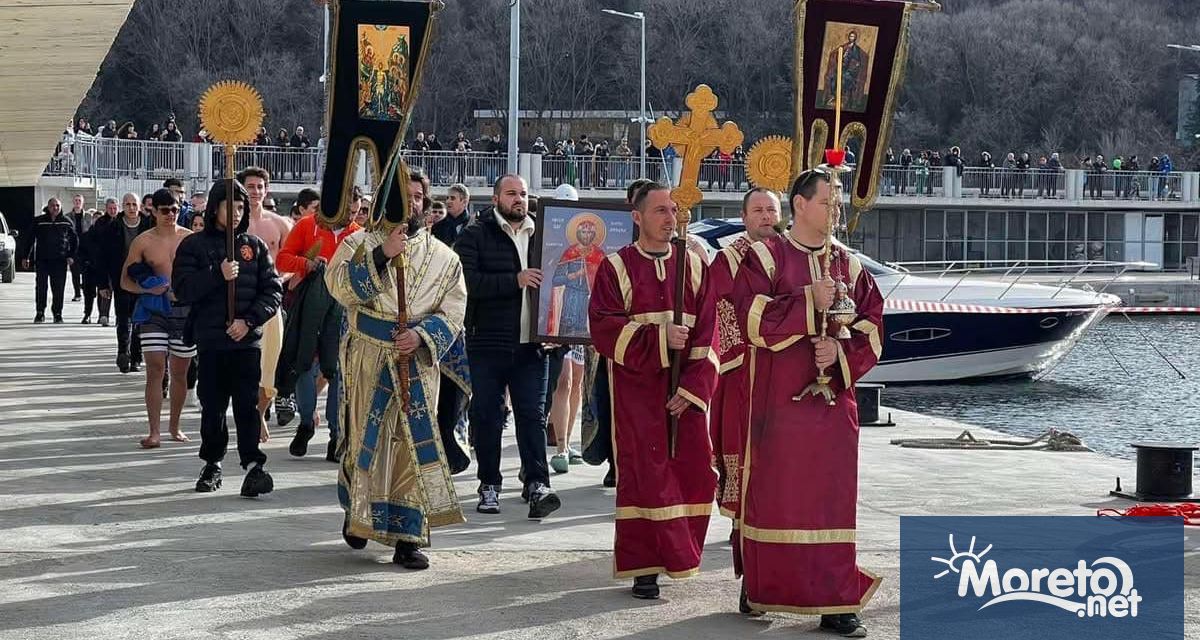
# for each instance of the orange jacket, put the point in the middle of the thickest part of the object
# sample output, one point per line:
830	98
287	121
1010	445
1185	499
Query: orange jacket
306	241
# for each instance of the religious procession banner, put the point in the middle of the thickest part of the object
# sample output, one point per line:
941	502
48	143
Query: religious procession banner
872	36
377	54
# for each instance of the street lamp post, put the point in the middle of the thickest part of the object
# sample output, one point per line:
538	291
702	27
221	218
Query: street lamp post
514	81
640	17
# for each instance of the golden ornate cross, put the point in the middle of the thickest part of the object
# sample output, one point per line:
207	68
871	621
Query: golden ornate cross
694	137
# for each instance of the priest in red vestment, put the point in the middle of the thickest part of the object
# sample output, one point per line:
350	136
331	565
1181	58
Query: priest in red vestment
730	405
800	477
663	503
727	418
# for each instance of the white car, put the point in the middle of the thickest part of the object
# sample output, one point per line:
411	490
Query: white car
8	251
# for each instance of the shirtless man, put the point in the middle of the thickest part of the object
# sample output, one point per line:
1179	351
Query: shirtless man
271	228
160	326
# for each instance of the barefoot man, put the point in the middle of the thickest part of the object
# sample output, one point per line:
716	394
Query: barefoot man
271	228
147	274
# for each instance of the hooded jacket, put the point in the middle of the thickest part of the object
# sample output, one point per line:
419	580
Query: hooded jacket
197	280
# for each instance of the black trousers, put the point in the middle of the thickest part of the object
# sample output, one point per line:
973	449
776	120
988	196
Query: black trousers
76	280
51	274
128	341
523	372
230	376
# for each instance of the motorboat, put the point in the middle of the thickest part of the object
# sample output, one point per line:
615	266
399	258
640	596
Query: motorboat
953	322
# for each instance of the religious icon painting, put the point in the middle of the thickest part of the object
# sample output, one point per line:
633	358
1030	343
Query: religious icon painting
572	240
857	43
383	83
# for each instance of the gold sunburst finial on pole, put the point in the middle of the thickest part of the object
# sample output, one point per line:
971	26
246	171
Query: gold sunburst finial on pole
769	163
232	112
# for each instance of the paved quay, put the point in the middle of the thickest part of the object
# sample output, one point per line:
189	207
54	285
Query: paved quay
99	539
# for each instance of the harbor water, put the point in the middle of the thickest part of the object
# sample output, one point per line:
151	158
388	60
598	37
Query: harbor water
1112	389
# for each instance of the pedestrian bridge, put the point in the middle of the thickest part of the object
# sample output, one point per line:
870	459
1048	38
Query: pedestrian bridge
50	51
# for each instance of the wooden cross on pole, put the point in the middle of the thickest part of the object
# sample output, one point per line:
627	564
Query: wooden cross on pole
694	137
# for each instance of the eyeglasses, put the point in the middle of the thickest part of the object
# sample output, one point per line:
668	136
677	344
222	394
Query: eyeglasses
171	209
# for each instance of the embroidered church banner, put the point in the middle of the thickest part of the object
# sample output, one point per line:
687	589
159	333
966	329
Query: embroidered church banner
377	54
872	36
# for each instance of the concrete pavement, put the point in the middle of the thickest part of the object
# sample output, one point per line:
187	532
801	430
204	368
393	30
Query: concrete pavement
103	540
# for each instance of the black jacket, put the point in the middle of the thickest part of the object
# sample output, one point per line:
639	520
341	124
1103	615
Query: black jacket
90	257
490	266
54	239
313	329
449	228
197	281
107	249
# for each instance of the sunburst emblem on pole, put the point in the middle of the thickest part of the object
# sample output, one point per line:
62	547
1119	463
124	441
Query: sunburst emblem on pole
232	112
769	163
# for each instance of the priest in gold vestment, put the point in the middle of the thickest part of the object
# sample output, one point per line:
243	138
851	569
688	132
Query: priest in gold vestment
394	483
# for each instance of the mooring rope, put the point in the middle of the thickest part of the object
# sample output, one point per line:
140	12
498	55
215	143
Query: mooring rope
1052	440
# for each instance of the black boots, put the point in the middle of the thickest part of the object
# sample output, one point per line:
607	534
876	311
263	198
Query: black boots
646	587
410	557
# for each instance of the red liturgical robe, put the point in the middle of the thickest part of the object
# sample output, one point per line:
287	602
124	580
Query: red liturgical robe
663	504
727	420
800	478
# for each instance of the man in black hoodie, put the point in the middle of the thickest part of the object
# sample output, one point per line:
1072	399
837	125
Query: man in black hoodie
229	353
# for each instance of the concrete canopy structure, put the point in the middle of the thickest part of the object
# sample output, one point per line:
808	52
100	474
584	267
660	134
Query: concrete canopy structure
50	51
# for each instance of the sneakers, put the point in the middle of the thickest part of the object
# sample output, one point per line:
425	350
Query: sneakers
299	445
410	557
646	587
542	500
331	450
846	625
285	410
257	482
210	478
104	321
489	499
354	542
135	366
86	320
77	298
123	363
558	462
58	319
574	456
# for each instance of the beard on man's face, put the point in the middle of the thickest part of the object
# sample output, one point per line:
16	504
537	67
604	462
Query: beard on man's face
415	223
512	214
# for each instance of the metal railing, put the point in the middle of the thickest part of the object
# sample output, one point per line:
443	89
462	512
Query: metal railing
1000	182
109	158
907	180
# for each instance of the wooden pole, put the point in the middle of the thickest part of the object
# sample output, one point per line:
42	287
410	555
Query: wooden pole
402	325
230	231
679	244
